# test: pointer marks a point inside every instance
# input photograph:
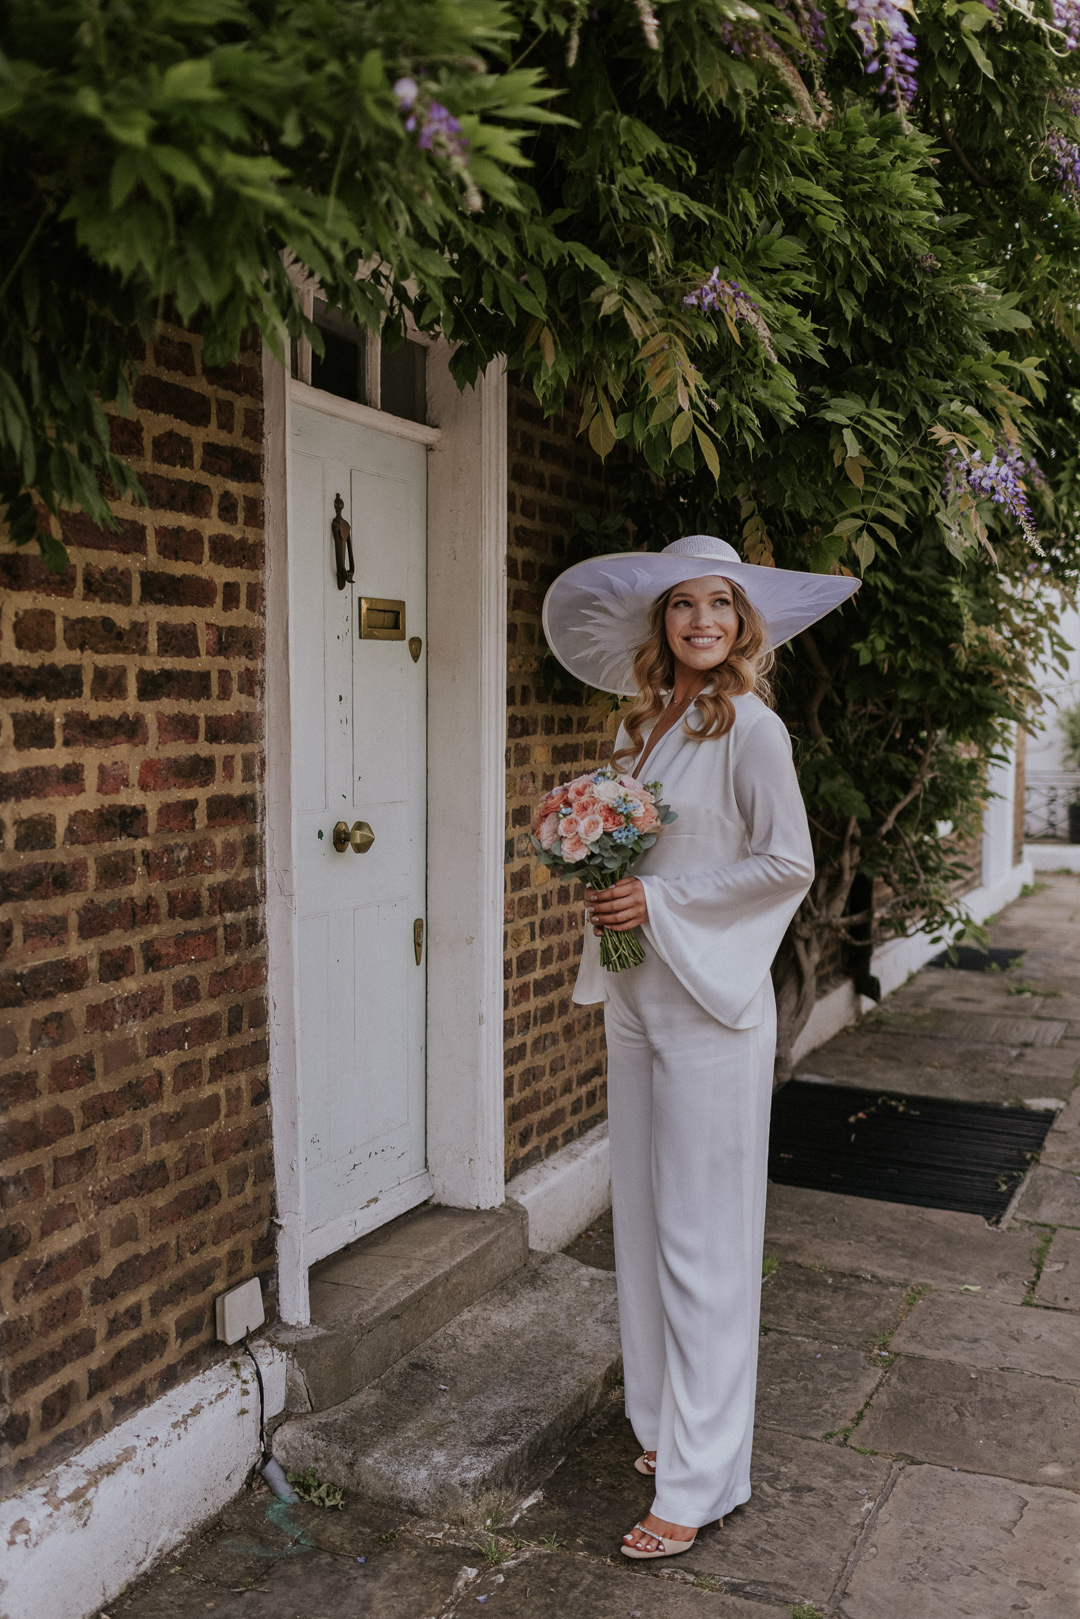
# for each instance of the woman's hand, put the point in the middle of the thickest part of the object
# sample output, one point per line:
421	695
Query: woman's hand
620	907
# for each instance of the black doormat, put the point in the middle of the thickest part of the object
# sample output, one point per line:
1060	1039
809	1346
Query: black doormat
966	958
938	1154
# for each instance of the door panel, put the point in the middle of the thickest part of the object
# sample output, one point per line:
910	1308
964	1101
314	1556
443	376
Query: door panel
359	728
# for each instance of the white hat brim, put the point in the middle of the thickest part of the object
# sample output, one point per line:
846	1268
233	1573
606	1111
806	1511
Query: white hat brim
597	612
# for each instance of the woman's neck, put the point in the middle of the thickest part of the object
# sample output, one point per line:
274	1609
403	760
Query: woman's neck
687	684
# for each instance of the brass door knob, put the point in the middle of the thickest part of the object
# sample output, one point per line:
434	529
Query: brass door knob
361	837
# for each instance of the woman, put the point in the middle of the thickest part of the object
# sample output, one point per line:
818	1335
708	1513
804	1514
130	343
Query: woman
691	1032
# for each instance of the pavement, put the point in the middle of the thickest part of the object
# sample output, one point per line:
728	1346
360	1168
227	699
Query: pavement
918	1444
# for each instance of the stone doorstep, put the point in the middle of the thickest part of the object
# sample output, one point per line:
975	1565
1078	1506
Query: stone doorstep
486	1405
382	1295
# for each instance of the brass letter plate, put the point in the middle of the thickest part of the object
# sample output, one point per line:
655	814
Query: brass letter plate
381	620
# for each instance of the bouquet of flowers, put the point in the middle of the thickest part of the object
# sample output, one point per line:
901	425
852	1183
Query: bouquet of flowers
594	828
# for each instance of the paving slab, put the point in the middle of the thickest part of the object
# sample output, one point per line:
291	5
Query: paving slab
561	1586
842	1309
809	1387
1050	1062
483	1405
1061	1149
1051	1197
1059	1284
790	1541
894	1242
1017	1427
985	1334
956	1546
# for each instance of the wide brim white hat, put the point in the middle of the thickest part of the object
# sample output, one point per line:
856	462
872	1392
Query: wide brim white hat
597	612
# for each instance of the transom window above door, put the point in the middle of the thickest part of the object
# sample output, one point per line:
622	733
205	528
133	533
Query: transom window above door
359	365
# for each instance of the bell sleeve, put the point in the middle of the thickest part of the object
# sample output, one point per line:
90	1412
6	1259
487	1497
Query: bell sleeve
718	928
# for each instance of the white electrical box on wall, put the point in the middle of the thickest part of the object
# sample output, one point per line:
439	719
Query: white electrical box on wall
239	1311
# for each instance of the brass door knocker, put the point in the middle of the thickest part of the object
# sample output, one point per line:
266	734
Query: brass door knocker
342	533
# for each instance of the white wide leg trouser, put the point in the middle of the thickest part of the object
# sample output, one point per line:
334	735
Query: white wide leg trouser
688	1105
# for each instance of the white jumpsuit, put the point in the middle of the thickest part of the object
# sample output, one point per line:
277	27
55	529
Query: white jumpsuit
691	1036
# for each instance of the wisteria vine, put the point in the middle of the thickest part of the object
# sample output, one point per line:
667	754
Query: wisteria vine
888	46
717	294
1001	479
438	131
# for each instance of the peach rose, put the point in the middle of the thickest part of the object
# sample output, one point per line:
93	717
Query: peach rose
606	792
549	831
648	820
580	787
573	849
610	817
634	789
590	827
555	800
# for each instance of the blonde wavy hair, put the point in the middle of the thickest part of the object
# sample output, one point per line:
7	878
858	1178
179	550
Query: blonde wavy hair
745	669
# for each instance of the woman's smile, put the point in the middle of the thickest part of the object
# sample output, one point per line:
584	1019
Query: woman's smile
702	623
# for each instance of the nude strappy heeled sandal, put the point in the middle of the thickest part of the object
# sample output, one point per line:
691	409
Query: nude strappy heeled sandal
668	1548
644	1465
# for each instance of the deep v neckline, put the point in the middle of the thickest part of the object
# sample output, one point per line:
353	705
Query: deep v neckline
650	751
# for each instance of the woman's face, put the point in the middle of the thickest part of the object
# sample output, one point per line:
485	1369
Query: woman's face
701	622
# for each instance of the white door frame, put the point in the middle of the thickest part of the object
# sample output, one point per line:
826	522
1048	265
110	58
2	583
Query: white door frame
466	794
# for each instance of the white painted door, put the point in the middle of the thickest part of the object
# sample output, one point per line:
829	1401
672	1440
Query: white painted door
359	748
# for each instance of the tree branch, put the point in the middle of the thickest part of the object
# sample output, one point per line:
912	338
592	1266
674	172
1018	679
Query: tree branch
824	681
961	157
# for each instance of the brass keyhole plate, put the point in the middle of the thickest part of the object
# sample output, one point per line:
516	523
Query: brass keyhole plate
416	646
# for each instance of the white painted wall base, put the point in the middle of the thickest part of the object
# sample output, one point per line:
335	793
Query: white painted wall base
1053	856
896	959
75	1538
563	1194
572	1187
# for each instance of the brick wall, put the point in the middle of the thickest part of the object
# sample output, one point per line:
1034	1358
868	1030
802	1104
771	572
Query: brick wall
554	1051
136	1173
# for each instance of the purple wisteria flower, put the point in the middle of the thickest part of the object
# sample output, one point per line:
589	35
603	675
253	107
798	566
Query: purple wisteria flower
1065	153
438	131
809	22
888	46
1001	479
1065	17
717	294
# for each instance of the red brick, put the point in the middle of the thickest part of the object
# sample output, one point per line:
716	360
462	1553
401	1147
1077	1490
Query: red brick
44	932
236	979
112	585
109	684
177	495
235	378
14	1240
115	870
232	551
177	728
40	1276
71	1073
26	1187
112	778
32	730
35	630
194	1115
185	905
234	1220
180	544
104	1016
43	880
97	920
238	894
173	685
44	982
59	1218
56	1405
41	781
172	355
196	1281
238	1060
178	641
123	1143
56	1028
107	825
231	809
177	816
172	399
161	775
105	731
24	571
129	1098
139	1183
80	531
18	1088
132	1358
34	1372
173	450
104	635
36	832
130	1273
116	964
193	1200
242	1138
159	954
122	1321
125	437
177	589
74	1167
180	860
